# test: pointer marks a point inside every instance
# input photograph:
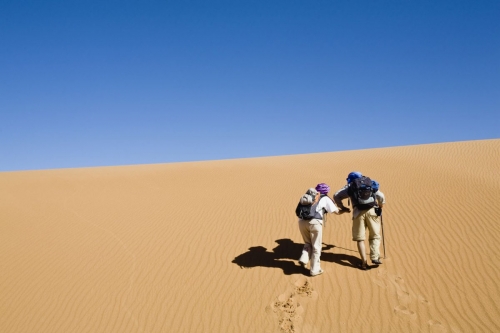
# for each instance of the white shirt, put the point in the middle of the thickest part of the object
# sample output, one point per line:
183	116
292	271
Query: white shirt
325	203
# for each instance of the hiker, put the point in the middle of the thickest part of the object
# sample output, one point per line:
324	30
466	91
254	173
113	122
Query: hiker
311	227
365	214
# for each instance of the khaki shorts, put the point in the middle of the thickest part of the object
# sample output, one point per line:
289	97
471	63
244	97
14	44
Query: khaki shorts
366	219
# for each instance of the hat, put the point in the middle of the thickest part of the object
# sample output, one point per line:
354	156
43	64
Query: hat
353	175
323	188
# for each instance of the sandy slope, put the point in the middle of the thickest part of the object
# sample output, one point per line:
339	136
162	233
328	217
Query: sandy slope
212	246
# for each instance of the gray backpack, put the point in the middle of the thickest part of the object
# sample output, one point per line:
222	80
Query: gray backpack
306	210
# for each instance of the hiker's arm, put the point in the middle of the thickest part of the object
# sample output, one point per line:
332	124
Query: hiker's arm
380	198
337	211
338	197
331	207
380	202
342	211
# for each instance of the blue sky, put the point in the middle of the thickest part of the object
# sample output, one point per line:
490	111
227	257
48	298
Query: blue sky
93	83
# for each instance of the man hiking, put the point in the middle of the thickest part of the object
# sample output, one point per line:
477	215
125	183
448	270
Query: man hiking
367	201
311	227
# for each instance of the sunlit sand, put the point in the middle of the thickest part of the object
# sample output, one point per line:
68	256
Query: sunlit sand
213	246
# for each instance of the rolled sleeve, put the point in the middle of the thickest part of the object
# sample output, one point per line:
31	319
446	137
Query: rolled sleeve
326	205
340	195
330	206
380	197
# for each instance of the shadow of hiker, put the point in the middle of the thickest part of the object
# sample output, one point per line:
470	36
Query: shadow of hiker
341	259
285	255
258	256
287	249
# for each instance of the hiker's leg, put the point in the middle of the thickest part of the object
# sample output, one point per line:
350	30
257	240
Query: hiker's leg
362	250
306	236
316	238
375	249
374	237
358	234
306	253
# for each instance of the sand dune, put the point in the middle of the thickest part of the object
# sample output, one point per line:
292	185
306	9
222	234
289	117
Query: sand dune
213	246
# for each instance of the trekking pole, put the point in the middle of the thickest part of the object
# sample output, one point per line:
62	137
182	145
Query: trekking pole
382	225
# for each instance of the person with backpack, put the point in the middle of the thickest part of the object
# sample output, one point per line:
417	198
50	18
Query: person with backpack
367	201
311	209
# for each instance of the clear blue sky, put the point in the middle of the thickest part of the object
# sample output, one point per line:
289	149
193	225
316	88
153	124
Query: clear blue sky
92	83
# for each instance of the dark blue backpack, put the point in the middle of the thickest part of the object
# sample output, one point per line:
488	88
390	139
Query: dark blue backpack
362	193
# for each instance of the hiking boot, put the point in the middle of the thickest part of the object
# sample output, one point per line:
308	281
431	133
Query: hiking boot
376	261
363	265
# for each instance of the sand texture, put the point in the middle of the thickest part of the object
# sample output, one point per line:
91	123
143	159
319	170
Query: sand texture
213	246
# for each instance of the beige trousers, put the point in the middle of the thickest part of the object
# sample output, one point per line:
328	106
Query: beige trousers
367	219
312	234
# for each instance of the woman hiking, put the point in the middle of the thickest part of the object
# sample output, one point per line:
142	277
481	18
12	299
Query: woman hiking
312	229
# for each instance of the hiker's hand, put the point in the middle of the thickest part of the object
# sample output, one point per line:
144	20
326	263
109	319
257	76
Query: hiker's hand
378	211
344	210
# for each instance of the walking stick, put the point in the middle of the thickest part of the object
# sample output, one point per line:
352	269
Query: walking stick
382	225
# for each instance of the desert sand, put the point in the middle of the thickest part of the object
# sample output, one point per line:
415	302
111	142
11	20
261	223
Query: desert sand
213	246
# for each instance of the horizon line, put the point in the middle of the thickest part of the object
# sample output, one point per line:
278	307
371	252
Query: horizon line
242	158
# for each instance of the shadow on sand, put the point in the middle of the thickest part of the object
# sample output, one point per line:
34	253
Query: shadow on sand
286	255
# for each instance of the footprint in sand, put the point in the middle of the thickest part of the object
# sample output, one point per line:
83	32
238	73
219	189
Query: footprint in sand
304	288
381	279
395	285
399	280
422	300
404	312
436	326
404	297
288	312
287	308
380	283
